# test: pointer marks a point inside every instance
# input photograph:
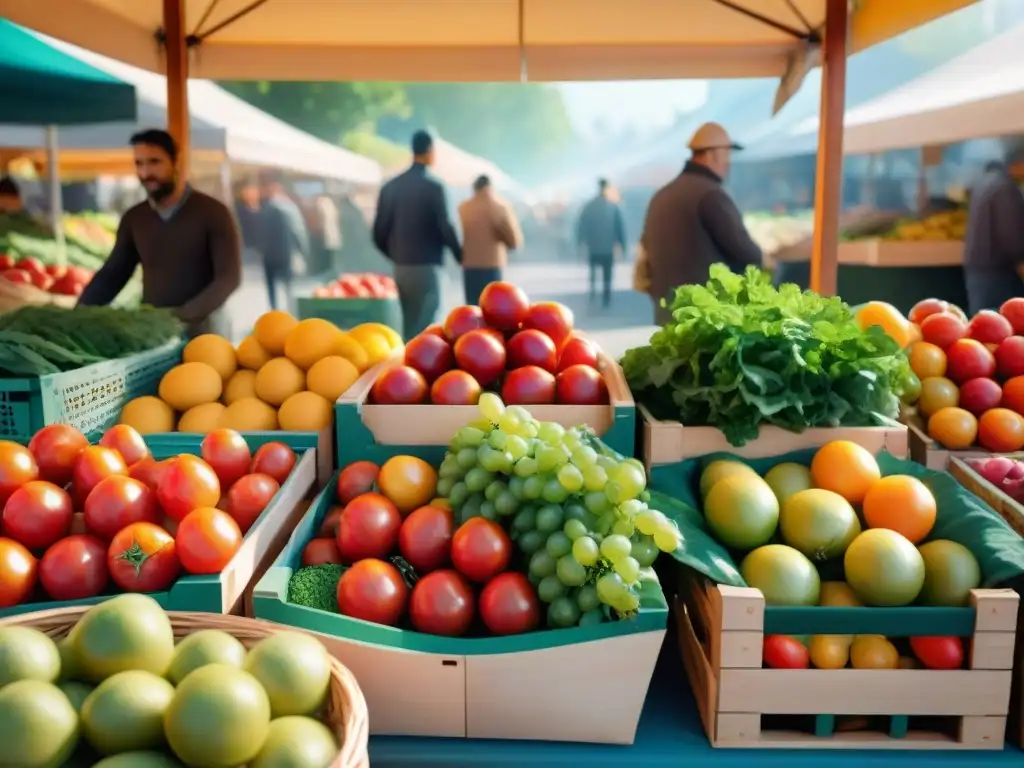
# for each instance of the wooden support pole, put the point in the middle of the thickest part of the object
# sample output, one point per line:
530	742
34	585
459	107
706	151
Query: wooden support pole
176	57
828	181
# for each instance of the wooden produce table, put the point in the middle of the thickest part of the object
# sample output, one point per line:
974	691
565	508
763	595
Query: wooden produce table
900	273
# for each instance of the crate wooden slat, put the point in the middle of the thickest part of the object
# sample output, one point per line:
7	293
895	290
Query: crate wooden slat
668	442
1010	510
721	633
876	252
930	453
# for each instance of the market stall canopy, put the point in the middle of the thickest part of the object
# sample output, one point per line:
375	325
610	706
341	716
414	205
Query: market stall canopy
976	95
221	123
482	40
42	85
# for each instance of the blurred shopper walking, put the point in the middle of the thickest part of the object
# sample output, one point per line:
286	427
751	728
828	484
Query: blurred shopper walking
412	228
490	230
286	248
994	243
601	232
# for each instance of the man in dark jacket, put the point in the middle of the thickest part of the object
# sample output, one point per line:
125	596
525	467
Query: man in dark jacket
285	240
994	243
601	232
412	228
692	222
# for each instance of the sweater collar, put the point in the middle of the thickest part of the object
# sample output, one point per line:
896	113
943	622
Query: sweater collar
701	170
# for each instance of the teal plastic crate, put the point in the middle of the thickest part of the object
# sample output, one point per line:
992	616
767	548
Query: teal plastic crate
218	593
469	677
348	313
88	398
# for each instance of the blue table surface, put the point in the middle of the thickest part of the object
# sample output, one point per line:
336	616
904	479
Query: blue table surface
670	733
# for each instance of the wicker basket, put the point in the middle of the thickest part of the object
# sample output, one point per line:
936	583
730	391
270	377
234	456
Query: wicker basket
345	712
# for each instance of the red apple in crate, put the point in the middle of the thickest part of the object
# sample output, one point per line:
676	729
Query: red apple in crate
943	328
979	395
400	385
41	280
56	271
532	347
17	276
969	359
1010	357
578	351
528	385
31	264
455	388
462	320
481	354
551	317
435	330
1013	310
430	355
926	307
504	305
6	261
989	327
581	385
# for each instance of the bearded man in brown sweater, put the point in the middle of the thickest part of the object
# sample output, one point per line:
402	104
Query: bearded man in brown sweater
186	242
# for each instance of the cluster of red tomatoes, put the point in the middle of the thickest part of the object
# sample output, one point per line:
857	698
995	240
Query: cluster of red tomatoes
406	558
55	278
527	351
76	517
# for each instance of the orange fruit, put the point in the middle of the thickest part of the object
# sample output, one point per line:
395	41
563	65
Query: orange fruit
1013	394
845	468
1001	430
890	319
927	360
900	503
955	428
409	482
937	393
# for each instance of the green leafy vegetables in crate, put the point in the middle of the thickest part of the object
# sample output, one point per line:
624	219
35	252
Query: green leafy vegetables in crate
740	353
42	340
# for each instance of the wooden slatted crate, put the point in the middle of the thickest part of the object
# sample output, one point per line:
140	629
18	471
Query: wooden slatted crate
930	453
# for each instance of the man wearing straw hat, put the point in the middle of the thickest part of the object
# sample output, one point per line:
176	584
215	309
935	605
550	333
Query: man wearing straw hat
692	222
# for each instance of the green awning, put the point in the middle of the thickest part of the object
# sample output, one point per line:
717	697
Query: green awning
40	85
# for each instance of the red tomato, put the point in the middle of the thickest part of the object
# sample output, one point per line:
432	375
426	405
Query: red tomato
207	539
274	459
372	590
509	605
528	385
228	454
31	264
321	551
532	347
74	568
481	549
504	305
938	652
430	355
142	558
551	317
17	467
17	276
578	351
38	514
455	388
149	471
785	652
442	604
400	385
119	501
248	497
356	479
436	329
188	483
425	538
368	527
462	320
581	385
55	449
94	463
6	261
126	441
481	354
329	525
18	573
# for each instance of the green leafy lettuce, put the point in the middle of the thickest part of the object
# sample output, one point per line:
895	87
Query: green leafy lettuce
740	353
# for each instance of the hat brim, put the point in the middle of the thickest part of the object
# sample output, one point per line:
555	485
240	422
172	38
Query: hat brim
733	146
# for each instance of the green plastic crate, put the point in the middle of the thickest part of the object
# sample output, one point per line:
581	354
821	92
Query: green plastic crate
348	313
88	398
218	593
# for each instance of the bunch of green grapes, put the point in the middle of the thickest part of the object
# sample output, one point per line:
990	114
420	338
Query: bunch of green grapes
577	515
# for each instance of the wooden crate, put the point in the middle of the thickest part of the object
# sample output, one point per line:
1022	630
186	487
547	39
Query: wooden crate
668	442
1010	510
721	636
924	450
876	252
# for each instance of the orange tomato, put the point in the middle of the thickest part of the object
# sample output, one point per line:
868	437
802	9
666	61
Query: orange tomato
1013	394
409	482
955	428
927	360
845	468
900	503
1001	430
937	393
890	319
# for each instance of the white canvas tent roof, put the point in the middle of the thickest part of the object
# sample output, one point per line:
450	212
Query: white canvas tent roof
220	121
979	94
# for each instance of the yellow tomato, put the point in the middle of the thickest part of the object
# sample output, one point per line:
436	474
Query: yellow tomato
873	652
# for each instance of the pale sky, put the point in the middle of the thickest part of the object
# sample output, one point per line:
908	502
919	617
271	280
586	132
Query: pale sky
646	103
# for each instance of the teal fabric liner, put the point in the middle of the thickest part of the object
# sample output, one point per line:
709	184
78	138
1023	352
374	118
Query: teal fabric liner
961	517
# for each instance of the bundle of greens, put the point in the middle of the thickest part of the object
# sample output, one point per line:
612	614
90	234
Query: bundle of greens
41	340
740	353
